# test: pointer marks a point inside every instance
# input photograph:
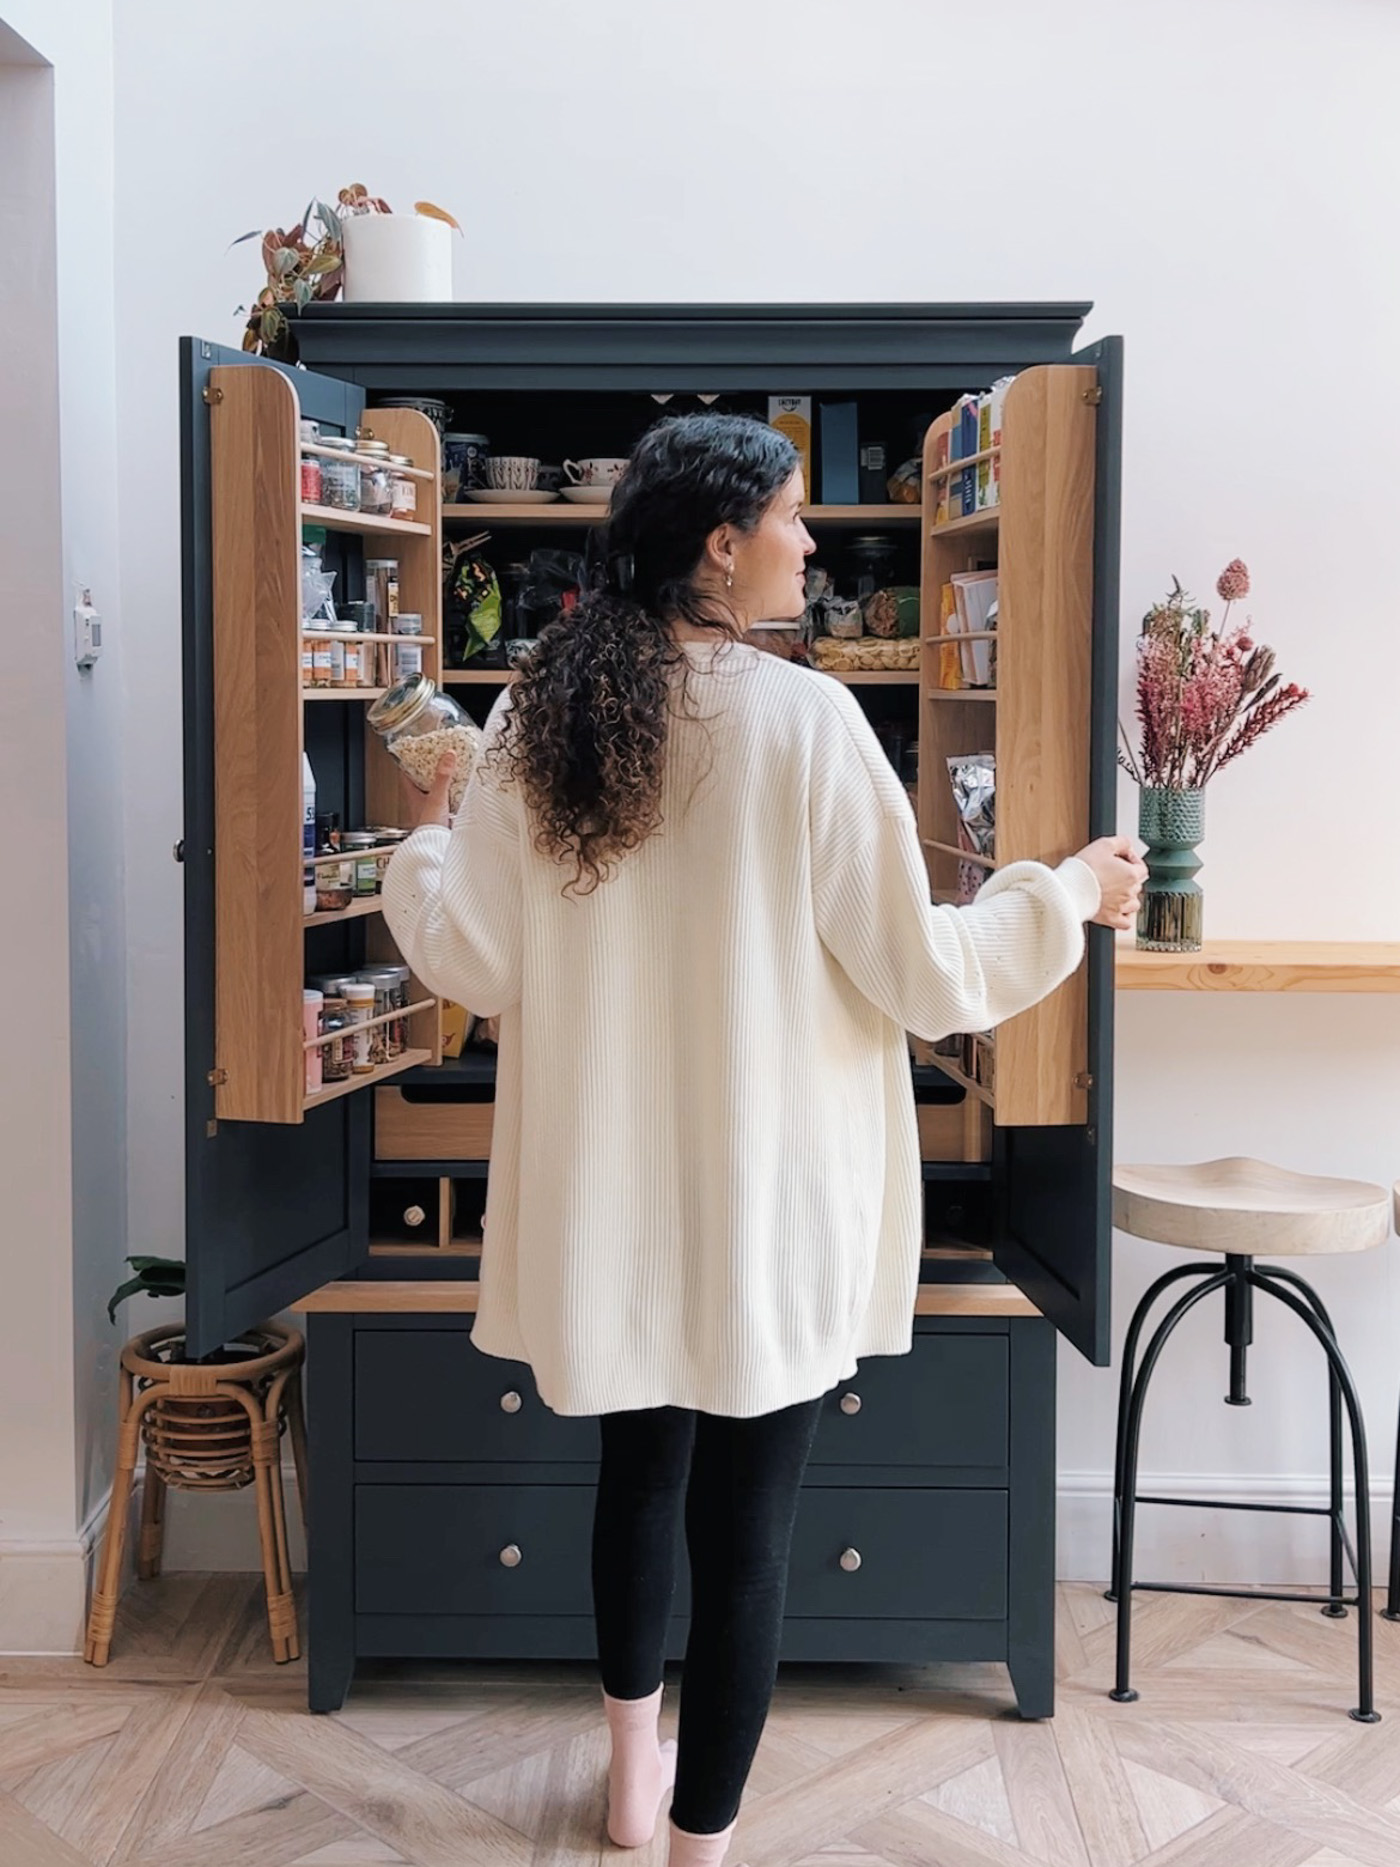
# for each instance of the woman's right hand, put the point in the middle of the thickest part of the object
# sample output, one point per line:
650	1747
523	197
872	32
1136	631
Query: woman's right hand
1120	876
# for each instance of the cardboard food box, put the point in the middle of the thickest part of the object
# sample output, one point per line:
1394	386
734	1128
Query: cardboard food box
792	415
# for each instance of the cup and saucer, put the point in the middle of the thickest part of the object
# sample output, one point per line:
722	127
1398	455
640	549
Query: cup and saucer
512	480
591	481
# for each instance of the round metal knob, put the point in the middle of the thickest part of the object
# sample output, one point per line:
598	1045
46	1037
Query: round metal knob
850	1560
414	1215
850	1403
510	1556
510	1403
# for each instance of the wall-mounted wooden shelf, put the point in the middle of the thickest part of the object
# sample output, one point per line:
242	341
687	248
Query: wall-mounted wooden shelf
1263	966
334	520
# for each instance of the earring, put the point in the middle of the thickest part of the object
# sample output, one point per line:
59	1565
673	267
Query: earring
729	578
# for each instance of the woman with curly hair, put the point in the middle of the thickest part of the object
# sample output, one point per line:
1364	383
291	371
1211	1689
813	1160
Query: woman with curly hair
688	882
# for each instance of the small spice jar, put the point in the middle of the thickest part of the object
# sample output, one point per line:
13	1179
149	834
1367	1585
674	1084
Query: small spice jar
392	836
386	1001
320	659
335	881
403	982
340	475
419	724
408	656
382	589
376	480
365	867
359	1008
403	488
310	464
311	1003
335	1056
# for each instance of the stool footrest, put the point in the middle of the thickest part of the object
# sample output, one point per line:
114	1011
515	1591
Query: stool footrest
1245	1594
1222	1503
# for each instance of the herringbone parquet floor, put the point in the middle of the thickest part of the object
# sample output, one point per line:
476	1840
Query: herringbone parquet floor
192	1750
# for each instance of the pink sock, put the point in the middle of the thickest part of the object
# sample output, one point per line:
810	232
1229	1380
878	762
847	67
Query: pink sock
698	1850
642	1769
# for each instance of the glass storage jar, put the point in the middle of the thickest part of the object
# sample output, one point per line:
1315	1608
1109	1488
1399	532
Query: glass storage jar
365	867
376	480
335	1056
389	996
403	488
419	724
310	464
340	475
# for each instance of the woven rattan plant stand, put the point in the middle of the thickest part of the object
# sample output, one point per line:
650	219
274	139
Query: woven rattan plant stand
206	1426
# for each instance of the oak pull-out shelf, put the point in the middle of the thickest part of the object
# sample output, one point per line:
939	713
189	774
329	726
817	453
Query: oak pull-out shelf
443	1297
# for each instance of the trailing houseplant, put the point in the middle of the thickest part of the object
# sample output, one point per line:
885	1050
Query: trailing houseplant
1204	696
306	265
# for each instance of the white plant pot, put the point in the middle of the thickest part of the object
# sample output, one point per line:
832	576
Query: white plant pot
402	258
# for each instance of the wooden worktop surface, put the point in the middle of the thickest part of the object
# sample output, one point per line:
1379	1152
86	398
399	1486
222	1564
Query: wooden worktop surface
1264	966
421	1298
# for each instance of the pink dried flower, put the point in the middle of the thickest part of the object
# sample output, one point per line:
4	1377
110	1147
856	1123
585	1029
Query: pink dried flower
1233	581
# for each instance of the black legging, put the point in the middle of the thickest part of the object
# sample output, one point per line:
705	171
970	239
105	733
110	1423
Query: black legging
740	1480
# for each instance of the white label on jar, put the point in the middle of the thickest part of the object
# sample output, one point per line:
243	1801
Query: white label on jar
408	659
405	499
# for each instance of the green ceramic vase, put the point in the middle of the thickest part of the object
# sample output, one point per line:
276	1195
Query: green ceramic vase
1171	822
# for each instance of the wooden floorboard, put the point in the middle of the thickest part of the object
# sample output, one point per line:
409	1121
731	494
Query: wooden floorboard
192	1749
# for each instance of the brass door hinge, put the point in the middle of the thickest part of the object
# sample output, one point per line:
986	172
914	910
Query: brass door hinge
212	394
217	1078
1093	396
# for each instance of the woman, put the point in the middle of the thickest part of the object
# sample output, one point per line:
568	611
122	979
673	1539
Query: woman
688	882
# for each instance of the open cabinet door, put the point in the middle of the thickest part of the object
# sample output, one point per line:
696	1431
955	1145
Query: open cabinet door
1052	1231
270	1211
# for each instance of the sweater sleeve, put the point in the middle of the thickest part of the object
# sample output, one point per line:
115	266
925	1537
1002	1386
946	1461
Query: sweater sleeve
932	969
452	900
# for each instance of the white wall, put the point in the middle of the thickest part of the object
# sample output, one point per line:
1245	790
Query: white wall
1218	176
62	1131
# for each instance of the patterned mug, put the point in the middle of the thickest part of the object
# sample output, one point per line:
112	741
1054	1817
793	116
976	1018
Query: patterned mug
598	470
512	473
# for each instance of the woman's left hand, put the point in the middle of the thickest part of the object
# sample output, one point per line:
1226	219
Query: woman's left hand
433	807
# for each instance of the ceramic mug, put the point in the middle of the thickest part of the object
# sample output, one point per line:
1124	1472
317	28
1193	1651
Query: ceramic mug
512	473
598	470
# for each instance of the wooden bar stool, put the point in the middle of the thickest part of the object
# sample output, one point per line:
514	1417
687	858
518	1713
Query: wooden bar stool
1236	1208
206	1426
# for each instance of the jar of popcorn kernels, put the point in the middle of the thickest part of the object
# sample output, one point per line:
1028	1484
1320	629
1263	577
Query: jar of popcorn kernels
419	724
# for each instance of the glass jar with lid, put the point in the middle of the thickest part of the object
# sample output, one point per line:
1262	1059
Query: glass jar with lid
403	488
340	475
390	997
873	556
376	479
357	845
335	1022
420	724
387	838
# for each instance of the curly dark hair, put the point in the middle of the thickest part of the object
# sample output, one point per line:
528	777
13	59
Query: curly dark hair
585	735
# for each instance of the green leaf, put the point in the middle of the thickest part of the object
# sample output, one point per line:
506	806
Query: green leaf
284	260
302	292
256	234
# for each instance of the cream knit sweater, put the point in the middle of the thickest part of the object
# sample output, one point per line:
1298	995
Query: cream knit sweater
705	1184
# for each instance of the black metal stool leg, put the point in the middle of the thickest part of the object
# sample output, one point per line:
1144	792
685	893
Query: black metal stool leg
1335	1609
1131	1430
1391	1609
1125	1392
1365	1712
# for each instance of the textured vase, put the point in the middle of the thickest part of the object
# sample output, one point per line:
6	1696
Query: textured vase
1171	822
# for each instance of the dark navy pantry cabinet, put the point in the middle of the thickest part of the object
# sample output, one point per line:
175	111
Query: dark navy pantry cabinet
450	1510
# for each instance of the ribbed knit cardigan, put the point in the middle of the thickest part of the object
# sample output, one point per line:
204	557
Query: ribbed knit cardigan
705	1182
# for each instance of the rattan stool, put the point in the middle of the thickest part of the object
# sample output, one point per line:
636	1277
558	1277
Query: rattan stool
1236	1208
206	1426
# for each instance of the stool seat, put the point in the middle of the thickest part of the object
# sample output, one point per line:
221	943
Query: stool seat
1246	1208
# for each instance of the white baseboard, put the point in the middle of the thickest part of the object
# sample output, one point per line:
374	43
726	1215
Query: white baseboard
1231	1548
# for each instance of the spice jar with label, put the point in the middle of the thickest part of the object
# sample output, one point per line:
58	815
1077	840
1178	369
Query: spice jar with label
365	866
311	1003
335	881
408	656
310	464
340	475
376	480
321	659
359	1008
381	1035
335	1056
403	488
382	589
387	837
403	988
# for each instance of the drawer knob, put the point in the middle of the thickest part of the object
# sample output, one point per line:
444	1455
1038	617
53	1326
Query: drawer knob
510	1556
510	1403
414	1215
850	1560
850	1403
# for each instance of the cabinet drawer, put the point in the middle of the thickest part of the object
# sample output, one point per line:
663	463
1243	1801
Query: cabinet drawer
938	1555
437	1549
428	1130
427	1394
946	1403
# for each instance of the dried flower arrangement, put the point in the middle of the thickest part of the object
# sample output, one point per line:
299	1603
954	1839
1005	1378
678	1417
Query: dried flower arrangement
1204	695
307	265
